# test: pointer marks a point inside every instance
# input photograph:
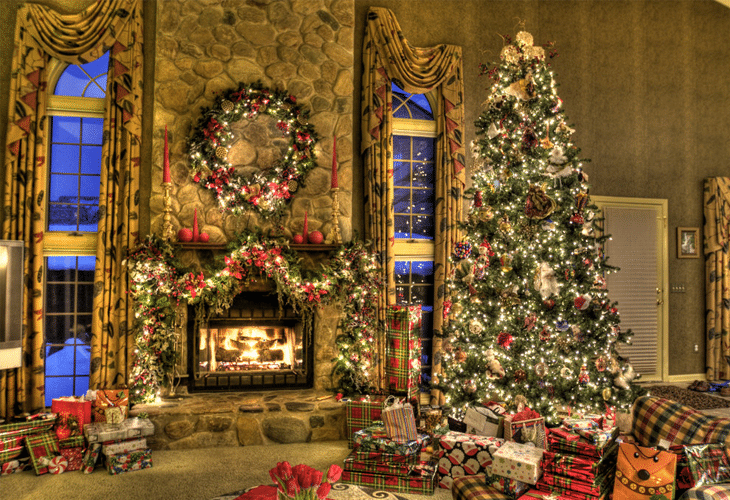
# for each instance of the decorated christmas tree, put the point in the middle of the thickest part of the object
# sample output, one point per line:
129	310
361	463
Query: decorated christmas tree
530	320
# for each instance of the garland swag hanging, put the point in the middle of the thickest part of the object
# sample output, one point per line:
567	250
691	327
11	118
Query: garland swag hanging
159	284
267	191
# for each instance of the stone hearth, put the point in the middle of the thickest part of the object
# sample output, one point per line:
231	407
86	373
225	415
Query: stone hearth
244	419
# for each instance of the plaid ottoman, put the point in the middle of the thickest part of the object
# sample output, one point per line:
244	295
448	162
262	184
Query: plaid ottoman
475	488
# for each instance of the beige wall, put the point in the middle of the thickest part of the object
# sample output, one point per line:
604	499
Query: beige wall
643	82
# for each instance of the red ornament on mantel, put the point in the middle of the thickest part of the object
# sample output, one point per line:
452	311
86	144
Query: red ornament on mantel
166	162
316	237
297	239
335	183
185	235
305	230
195	225
204	238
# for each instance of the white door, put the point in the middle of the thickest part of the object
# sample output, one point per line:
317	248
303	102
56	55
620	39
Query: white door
638	246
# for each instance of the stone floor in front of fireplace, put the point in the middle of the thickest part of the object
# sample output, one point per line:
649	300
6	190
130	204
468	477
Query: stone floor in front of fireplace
199	420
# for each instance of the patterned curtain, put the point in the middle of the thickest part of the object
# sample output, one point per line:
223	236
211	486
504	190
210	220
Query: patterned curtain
717	285
387	56
42	34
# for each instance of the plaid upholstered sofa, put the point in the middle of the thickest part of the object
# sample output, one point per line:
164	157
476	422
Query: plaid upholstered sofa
655	419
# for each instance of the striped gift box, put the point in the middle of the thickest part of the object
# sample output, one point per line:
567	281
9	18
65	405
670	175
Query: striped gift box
562	441
423	485
577	467
362	414
403	349
596	487
400	424
569	494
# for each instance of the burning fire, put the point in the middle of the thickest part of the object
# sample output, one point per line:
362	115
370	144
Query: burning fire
241	348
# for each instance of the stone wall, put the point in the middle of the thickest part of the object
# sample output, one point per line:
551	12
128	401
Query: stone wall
205	47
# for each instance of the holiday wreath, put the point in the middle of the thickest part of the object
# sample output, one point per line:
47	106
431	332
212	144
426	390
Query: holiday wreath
159	284
267	191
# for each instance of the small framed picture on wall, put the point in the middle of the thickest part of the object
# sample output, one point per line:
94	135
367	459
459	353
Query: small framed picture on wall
688	242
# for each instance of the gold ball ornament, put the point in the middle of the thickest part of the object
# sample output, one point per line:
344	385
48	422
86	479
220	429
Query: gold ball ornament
565	372
510	54
606	394
293	186
524	38
227	106
457	308
221	152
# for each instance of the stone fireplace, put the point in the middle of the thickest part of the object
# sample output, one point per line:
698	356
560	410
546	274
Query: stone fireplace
253	345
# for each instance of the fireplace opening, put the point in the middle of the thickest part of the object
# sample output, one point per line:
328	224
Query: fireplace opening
254	345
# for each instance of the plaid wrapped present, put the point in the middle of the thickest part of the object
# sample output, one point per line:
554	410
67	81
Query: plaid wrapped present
413	466
9	442
521	462
568	493
562	441
374	438
578	467
655	419
127	462
596	487
474	488
15	429
106	398
91	457
362	414
379	456
423	484
463	454
74	457
72	442
130	428
403	349
10	454
42	449
708	464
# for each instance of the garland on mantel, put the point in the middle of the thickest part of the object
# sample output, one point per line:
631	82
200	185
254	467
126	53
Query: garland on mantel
159	284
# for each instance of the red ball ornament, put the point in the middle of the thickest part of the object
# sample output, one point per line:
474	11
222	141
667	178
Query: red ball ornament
203	237
316	237
298	239
185	235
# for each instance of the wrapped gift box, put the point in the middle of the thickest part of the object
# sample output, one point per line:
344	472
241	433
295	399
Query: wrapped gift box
463	454
474	487
589	444
379	456
91	457
535	494
517	461
374	438
423	485
126	446
72	414
21	429
43	448
413	466
130	428
578	467
484	421
362	414
10	454
569	493
506	485
403	349
127	462
523	431
74	457
594	488
106	398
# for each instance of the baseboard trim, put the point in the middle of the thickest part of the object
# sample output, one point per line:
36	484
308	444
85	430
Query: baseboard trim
690	377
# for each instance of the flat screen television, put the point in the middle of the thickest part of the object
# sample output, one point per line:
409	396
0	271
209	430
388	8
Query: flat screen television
11	304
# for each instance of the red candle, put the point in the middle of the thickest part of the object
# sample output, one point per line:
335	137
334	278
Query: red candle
166	161
195	225
305	230
334	164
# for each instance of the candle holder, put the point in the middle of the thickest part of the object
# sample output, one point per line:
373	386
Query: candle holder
167	231
334	236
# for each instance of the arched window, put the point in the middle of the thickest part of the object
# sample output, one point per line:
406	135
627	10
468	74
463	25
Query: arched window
414	136
76	118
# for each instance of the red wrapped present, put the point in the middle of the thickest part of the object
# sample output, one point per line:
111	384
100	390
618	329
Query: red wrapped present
568	493
424	484
562	441
127	462
410	468
74	457
22	429
72	414
91	456
535	494
578	467
595	487
403	349
463	454
106	398
380	456
526	426
362	414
